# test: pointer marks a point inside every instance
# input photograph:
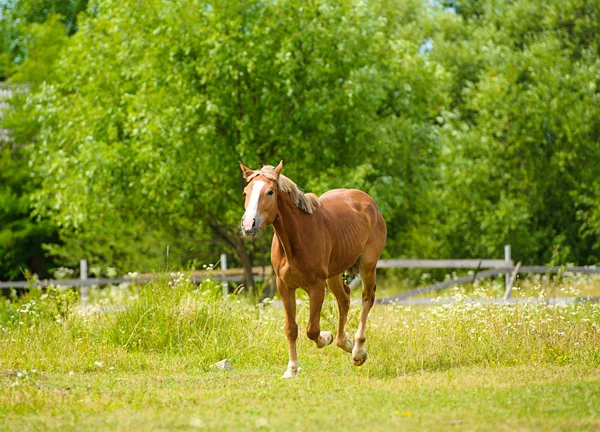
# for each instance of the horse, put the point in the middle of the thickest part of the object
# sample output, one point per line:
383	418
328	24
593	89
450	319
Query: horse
316	240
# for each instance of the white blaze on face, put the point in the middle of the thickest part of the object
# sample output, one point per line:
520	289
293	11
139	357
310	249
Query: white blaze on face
252	211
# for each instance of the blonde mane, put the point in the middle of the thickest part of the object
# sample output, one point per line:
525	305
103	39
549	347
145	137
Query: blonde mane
307	202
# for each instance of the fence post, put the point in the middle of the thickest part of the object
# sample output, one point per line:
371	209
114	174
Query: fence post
223	268
83	276
508	266
513	278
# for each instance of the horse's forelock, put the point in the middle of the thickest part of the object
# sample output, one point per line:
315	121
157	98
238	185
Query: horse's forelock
306	202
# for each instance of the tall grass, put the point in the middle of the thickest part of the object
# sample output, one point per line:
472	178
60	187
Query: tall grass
189	327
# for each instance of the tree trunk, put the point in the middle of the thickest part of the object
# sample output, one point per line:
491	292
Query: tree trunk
240	250
246	263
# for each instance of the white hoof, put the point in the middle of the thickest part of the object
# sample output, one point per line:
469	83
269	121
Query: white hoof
359	356
347	345
291	372
326	337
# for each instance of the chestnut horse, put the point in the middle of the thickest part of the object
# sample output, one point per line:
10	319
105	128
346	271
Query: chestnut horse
316	240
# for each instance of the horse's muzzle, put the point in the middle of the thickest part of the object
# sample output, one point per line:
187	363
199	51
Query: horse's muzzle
251	227
250	233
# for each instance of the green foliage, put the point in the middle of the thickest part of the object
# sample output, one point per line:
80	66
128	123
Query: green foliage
45	42
21	237
32	34
151	122
183	316
54	304
20	20
62	300
522	135
472	123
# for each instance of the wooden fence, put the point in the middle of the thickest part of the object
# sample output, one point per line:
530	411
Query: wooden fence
231	275
483	268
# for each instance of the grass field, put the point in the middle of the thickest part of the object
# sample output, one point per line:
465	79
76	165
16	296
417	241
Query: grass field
471	398
147	366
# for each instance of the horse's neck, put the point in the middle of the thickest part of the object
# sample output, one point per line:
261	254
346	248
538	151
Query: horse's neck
289	224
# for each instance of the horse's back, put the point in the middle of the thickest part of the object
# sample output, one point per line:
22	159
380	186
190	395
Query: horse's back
349	203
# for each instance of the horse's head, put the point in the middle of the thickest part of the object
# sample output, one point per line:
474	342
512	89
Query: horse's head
261	199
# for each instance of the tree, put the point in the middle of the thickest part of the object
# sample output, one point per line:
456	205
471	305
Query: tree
521	140
21	235
150	122
17	33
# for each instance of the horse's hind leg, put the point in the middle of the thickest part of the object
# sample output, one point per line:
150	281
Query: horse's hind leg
341	291
316	294
368	276
368	273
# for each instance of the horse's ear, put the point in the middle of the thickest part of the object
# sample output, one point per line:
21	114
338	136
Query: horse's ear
279	168
247	172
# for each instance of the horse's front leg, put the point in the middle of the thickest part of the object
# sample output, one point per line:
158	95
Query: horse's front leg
288	298
316	294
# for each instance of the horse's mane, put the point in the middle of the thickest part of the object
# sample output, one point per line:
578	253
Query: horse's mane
304	201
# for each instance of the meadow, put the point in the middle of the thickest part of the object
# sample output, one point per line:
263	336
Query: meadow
141	360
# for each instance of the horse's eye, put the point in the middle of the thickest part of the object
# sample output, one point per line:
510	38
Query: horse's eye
270	192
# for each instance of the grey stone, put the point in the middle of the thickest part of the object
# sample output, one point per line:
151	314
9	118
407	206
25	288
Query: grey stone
223	365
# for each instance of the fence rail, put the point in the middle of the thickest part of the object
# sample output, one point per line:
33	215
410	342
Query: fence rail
439	286
484	268
114	281
456	263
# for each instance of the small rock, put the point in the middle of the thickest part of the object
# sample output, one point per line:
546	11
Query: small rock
223	365
197	423
261	423
455	422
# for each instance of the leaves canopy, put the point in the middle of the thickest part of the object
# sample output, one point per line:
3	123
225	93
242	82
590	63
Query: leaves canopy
473	124
149	123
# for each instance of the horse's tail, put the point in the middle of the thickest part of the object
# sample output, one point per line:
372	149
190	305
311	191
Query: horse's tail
355	268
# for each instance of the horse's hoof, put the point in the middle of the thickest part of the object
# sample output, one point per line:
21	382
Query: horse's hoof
328	337
359	361
325	338
290	373
347	344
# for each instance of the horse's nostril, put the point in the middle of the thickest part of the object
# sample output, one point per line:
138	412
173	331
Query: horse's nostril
253	222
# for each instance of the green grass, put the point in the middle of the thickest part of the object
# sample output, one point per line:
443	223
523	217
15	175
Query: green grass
476	398
147	366
564	284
